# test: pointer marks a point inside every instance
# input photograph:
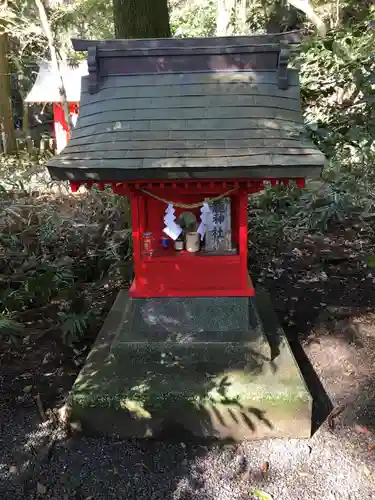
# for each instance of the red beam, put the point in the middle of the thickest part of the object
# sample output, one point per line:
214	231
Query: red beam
124	188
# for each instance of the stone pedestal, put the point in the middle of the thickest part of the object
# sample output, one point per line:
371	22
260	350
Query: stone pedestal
214	367
221	331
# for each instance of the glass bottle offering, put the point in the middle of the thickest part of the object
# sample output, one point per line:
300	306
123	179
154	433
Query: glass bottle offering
179	243
148	244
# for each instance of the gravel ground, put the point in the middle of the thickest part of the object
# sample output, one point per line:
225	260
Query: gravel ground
336	463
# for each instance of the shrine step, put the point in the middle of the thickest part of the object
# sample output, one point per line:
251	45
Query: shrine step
202	356
150	331
144	398
188	316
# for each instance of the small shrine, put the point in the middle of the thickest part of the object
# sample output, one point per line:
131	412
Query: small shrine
46	90
189	129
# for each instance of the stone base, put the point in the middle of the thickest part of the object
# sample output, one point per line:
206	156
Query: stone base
220	331
218	388
189	315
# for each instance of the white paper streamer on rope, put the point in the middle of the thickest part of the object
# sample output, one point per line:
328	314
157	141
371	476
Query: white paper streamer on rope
206	223
171	229
74	118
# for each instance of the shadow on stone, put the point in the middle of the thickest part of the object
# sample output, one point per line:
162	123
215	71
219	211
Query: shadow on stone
322	405
135	384
271	327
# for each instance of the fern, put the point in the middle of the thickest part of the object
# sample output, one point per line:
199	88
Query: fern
9	329
73	326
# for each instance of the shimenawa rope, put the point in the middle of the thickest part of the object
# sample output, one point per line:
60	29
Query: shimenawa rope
189	205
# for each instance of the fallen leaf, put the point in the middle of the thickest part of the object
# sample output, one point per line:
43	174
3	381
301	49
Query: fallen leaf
27	389
334	414
41	489
360	429
371	261
75	426
266	467
304	471
262	495
371	448
144	466
64	414
297	252
39	404
136	408
366	471
13	469
46	358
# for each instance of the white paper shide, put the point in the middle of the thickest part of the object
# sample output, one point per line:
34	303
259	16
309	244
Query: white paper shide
206	223
171	229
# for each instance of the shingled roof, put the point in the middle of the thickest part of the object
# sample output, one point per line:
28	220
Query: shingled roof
47	85
188	108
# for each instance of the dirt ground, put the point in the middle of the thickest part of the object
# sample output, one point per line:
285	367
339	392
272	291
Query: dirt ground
323	292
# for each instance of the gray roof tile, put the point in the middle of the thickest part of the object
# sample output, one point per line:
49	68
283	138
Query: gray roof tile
212	123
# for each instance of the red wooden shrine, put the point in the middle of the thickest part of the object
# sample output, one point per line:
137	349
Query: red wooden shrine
167	273
46	90
185	121
61	127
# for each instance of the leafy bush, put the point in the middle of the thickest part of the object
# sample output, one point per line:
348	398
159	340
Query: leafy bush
285	214
194	19
54	249
9	329
337	77
338	92
74	325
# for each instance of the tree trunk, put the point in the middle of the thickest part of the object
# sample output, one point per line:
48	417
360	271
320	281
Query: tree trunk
7	131
141	18
308	10
225	9
242	16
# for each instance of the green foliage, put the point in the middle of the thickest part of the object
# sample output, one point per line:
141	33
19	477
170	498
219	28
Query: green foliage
23	172
90	19
337	77
54	249
74	326
195	19
284	214
40	287
9	329
337	91
82	19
